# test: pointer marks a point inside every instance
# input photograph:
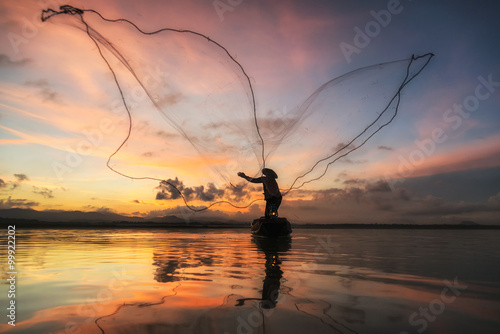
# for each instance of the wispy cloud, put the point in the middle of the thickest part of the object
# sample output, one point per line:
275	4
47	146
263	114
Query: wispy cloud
11	185
5	61
10	203
43	191
45	90
21	177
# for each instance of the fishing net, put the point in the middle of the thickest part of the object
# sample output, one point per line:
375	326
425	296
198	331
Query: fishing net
192	118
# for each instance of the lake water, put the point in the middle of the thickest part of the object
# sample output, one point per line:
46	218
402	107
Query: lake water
225	281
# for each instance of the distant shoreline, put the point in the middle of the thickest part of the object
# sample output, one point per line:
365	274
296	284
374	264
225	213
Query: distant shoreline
37	224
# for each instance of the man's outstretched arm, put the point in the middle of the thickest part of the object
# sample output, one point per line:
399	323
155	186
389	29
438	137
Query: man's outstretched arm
250	179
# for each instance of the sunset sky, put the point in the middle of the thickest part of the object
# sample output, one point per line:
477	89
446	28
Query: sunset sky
61	115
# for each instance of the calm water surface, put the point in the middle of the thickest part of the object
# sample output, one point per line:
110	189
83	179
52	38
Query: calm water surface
225	281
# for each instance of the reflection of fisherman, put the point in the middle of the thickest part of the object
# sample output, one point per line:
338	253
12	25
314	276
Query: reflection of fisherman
272	249
272	193
271	288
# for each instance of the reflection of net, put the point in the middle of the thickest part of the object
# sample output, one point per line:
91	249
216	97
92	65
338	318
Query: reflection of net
195	85
137	304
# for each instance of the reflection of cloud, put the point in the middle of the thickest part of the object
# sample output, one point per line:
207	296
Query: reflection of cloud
165	269
176	255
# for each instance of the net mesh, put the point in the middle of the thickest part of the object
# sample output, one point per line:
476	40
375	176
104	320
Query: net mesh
191	113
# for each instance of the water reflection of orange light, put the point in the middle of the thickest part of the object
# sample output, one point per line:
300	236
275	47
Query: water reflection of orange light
81	317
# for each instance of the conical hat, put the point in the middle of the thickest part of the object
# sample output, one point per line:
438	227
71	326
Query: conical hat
269	172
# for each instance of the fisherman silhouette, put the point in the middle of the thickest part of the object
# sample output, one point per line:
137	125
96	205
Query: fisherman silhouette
272	193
